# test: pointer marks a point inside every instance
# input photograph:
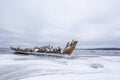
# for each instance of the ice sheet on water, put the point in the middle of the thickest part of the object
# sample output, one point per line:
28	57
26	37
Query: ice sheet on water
14	67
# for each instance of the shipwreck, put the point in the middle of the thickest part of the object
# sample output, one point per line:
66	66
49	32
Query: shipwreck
47	50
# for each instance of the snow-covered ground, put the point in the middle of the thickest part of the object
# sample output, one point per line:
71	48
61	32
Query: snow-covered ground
83	65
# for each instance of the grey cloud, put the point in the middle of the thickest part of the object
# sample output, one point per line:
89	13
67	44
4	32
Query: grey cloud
37	22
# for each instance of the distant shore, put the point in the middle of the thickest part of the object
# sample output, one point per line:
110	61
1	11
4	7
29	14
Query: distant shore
97	49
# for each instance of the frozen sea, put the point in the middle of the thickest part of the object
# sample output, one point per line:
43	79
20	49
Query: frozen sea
82	65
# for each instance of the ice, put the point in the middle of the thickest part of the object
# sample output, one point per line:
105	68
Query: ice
96	65
82	65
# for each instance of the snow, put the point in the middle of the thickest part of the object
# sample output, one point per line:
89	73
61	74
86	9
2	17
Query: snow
81	66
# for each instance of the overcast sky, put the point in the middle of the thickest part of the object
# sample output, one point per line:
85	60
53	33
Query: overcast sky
94	23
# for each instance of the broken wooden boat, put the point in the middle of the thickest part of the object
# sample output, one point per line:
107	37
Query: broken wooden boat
47	50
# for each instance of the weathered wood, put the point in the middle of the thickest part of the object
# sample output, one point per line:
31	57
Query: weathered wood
70	47
48	49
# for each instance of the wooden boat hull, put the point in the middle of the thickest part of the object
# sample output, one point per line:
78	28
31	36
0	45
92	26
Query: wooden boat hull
42	54
67	51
